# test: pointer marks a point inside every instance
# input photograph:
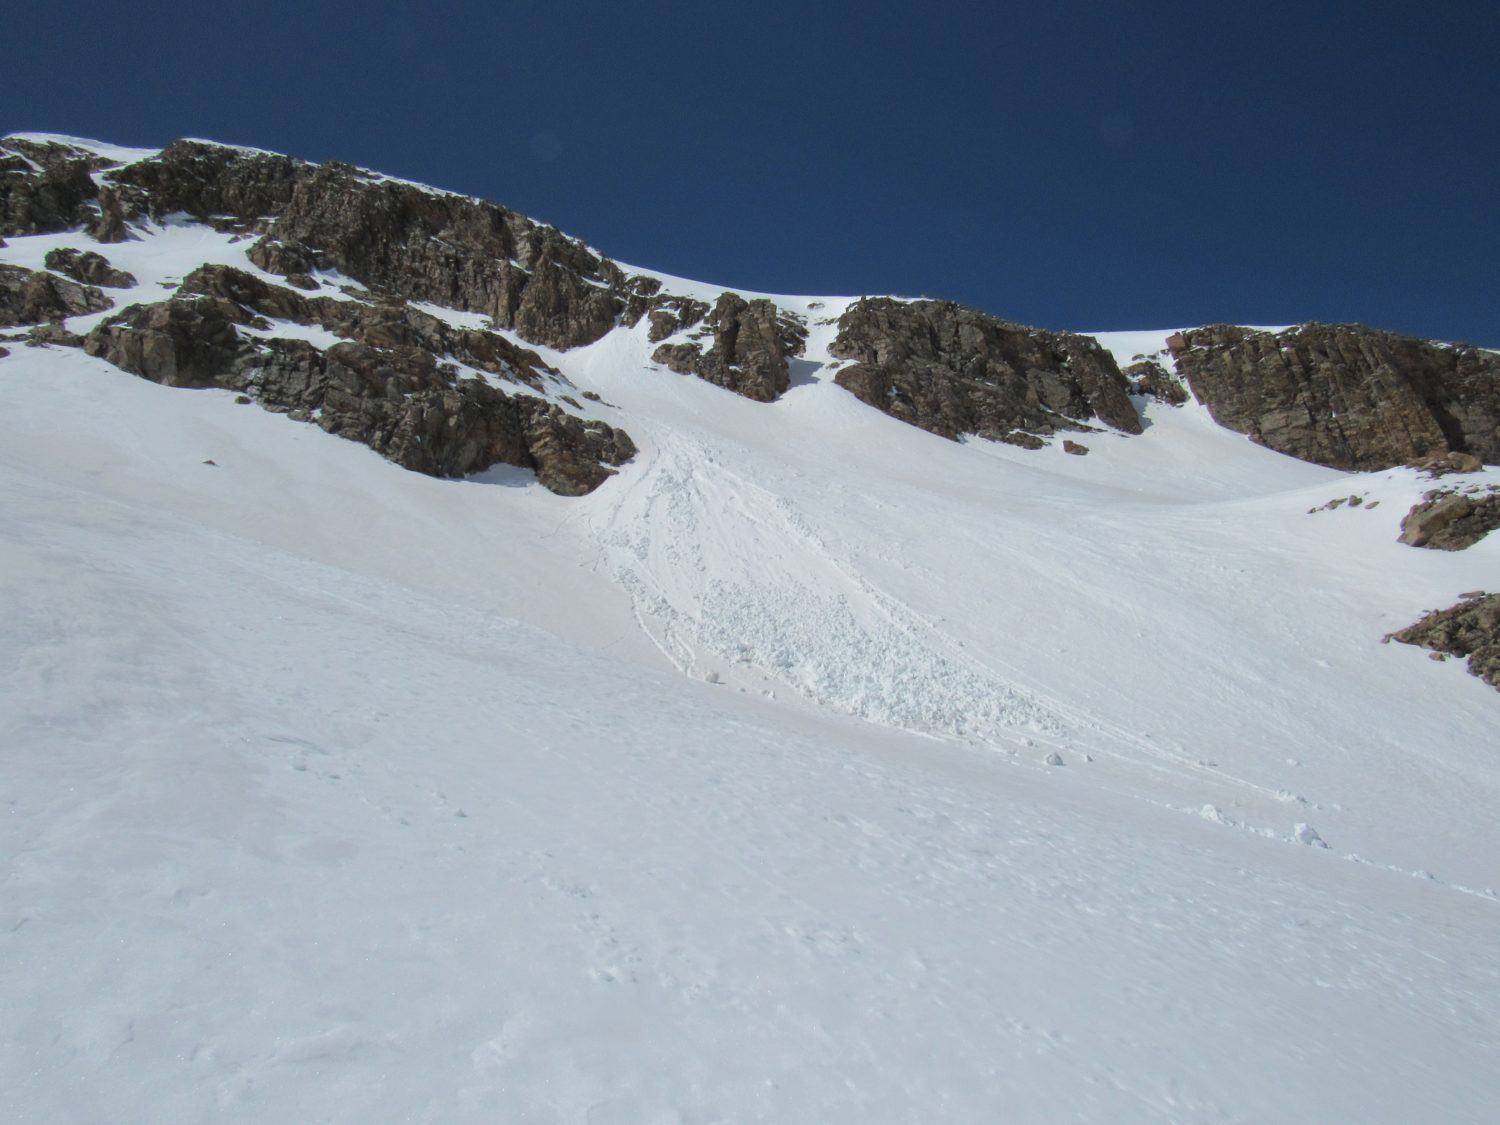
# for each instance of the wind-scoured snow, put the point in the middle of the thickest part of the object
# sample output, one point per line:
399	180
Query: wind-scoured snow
812	769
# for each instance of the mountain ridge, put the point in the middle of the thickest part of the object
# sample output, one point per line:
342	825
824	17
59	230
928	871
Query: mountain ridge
807	765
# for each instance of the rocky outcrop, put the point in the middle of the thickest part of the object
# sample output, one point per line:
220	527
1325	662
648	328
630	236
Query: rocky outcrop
391	322
671	315
953	371
1451	521
1149	378
1447	463
395	397
1471	628
451	250
751	343
1346	396
88	267
46	187
35	297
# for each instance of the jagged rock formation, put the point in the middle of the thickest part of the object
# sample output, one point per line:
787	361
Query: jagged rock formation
88	267
1471	628
953	371
46	187
672	315
1451	521
452	250
1339	395
35	297
383	386
1346	396
1149	378
752	341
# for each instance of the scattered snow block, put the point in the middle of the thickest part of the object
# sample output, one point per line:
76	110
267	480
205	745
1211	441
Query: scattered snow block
1307	834
1054	759
1211	812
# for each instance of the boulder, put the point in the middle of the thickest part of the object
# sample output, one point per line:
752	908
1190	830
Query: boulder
88	267
1451	521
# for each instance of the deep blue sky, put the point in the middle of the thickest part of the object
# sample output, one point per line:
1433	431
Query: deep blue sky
1075	165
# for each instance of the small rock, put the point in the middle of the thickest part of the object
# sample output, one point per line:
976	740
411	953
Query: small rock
1074	448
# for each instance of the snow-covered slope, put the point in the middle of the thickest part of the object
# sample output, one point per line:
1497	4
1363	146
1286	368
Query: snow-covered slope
334	792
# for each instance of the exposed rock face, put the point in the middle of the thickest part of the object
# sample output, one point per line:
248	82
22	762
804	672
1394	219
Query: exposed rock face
451	250
1346	396
1148	377
751	344
1451	521
89	268
390	395
390	323
45	187
953	370
672	315
1471	628
34	297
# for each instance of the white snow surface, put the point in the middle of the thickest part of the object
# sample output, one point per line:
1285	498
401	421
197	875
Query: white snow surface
332	792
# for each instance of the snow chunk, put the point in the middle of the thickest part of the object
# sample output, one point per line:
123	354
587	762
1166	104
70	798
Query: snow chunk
1307	834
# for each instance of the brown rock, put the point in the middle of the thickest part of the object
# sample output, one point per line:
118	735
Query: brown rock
393	396
451	250
45	187
34	297
953	370
673	315
1346	396
1446	463
1471	628
110	226
1451	521
751	343
53	333
179	343
88	267
1150	378
1070	446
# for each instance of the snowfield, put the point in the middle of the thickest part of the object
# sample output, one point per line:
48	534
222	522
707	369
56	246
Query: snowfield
813	769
